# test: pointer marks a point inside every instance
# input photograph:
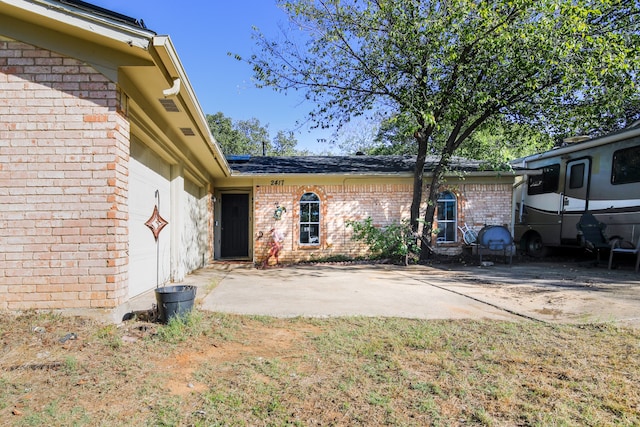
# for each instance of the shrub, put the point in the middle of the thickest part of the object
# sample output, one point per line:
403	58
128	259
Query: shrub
395	241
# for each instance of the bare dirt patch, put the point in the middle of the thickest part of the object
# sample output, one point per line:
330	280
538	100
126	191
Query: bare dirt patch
265	343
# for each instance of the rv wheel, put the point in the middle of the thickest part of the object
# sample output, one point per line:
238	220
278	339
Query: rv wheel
535	247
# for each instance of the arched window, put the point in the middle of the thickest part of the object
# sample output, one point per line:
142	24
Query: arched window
309	219
447	218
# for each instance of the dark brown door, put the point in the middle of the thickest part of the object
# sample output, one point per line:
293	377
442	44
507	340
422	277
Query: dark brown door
235	226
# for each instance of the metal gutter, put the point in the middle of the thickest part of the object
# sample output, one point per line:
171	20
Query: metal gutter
83	19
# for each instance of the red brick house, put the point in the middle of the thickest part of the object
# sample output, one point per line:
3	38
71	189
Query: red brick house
100	129
316	195
98	125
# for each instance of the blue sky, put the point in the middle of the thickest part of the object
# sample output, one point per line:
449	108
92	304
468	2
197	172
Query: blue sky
203	31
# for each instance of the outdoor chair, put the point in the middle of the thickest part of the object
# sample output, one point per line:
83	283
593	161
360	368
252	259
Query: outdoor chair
592	236
469	236
616	248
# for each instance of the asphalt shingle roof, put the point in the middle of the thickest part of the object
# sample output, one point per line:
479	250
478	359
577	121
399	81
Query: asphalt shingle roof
343	164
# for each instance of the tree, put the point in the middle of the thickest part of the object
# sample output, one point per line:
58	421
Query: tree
256	135
502	143
357	136
231	141
497	144
455	67
284	144
395	136
251	137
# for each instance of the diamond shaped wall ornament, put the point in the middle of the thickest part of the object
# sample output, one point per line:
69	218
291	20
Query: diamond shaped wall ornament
156	223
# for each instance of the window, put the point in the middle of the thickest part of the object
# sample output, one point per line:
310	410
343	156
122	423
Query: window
576	179
309	219
545	183
626	166
446	217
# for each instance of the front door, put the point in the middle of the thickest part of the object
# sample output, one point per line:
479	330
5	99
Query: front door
234	222
575	199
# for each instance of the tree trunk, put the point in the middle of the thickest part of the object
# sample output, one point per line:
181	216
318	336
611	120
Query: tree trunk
429	215
418	176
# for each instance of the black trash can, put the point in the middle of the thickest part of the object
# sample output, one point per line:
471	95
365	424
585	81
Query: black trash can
174	301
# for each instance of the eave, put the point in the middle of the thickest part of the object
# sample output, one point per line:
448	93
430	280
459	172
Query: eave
142	63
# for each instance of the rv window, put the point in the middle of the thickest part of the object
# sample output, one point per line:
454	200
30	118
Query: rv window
626	166
577	176
545	183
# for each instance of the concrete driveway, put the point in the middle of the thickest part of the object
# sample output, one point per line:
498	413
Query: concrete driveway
551	292
342	291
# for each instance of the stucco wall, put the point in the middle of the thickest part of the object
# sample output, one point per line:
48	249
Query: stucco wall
64	148
478	204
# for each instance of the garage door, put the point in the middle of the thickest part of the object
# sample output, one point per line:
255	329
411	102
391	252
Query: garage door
149	261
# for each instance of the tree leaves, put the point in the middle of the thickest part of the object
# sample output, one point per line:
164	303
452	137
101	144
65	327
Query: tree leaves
456	65
250	137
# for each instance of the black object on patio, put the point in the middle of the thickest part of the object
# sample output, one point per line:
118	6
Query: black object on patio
591	234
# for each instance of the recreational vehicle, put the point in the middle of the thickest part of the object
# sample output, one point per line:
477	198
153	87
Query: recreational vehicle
600	176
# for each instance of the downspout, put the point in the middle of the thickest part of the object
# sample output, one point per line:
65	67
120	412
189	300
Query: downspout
173	90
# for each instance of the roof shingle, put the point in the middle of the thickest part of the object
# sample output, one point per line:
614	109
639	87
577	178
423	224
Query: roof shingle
344	165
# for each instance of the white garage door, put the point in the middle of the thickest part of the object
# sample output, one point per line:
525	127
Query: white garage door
149	261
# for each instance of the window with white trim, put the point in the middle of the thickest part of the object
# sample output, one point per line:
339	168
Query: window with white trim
309	219
447	218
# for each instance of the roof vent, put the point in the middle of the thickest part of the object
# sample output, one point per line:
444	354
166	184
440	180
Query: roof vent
169	105
187	131
574	139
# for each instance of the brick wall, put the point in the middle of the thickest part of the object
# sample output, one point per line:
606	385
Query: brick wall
64	148
485	204
478	204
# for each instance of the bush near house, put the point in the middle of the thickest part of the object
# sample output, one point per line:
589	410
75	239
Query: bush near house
395	241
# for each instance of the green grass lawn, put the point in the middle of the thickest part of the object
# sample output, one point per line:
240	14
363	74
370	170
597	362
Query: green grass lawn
214	369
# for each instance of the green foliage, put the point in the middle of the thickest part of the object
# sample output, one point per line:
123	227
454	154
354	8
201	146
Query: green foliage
451	69
396	136
250	137
452	66
109	336
284	144
396	241
498	142
181	328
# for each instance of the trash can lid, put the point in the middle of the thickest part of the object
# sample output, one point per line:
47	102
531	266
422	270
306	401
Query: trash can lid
495	237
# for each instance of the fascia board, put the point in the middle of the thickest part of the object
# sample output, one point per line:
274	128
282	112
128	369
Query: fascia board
67	15
496	174
168	57
328	175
